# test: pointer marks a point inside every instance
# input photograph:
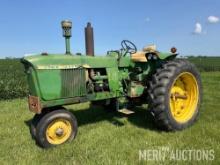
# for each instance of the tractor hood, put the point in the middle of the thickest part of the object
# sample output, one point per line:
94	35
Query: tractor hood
68	61
52	77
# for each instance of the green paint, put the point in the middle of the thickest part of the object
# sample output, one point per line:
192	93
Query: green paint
49	84
67	40
73	60
61	79
101	96
113	79
163	56
125	62
135	89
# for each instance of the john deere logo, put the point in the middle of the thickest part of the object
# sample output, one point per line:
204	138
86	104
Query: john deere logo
57	66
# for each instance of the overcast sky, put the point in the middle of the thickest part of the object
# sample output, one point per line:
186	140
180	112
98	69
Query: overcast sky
29	26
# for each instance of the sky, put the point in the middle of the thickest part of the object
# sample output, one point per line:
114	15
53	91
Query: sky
33	26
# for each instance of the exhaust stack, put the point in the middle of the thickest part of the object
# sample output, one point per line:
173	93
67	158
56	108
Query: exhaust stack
89	40
66	26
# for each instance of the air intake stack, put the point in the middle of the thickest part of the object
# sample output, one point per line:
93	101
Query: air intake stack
89	40
66	26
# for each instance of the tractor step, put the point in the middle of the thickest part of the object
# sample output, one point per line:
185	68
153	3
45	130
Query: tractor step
126	111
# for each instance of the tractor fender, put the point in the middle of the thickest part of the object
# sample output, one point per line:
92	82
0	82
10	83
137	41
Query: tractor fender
167	56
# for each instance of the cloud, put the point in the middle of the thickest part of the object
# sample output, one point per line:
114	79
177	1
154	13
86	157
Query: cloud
198	28
147	19
213	19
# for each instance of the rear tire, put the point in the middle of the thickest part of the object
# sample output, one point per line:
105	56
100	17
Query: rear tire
175	95
55	128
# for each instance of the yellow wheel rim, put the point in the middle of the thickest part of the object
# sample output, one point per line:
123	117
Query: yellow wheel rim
58	131
184	97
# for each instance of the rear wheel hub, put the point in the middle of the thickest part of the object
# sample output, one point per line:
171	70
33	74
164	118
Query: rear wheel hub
184	96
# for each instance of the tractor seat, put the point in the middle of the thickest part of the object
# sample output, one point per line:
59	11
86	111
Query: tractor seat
141	55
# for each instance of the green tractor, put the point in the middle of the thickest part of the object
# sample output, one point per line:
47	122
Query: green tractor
120	80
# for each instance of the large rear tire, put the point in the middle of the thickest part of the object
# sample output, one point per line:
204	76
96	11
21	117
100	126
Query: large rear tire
175	95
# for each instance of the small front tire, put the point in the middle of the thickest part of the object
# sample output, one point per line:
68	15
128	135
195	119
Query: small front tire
55	128
34	123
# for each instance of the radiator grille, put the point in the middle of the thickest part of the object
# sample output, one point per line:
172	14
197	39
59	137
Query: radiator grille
73	82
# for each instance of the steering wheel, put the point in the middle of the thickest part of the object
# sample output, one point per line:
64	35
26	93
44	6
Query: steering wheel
128	47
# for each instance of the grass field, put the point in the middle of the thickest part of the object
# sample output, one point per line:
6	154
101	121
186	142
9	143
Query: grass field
206	63
111	138
13	83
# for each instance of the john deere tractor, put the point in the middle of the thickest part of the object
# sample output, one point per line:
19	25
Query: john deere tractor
118	81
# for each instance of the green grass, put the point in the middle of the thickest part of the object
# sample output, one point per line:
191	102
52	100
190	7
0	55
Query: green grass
110	138
13	83
206	63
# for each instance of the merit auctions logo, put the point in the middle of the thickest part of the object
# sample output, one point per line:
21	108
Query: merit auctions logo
166	153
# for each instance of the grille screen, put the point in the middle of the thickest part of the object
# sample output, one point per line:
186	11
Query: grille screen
73	82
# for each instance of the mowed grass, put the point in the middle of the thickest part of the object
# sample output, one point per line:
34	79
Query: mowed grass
111	138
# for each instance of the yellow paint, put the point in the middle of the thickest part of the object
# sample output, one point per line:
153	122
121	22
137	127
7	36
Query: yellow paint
139	57
184	97
86	66
58	131
150	48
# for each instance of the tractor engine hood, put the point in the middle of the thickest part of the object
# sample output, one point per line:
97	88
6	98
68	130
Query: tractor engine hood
68	62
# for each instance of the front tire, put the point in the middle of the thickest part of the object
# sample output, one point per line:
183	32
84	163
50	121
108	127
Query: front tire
55	128
34	123
175	95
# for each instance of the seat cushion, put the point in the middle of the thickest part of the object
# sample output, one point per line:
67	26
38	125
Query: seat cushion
139	57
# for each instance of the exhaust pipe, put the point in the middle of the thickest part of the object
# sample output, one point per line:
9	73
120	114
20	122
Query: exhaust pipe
89	40
66	26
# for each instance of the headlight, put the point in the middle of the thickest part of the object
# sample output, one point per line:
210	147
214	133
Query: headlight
154	57
151	56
